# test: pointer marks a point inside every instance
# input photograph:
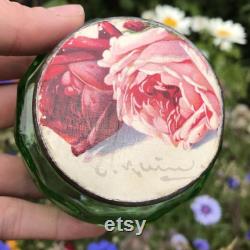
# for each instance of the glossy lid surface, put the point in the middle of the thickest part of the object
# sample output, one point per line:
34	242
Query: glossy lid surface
128	110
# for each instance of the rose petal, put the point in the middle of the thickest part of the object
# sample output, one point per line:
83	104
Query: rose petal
80	147
66	78
130	57
129	42
86	43
106	125
196	133
182	133
53	71
90	74
167	52
108	30
135	25
94	102
77	56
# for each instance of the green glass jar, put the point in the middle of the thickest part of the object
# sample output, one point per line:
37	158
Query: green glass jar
123	118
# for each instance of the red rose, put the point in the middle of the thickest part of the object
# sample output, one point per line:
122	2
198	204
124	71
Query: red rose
74	100
135	25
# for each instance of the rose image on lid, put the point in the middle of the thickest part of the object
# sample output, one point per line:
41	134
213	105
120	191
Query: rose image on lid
128	111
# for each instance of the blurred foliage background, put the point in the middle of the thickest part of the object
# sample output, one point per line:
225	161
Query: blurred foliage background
229	182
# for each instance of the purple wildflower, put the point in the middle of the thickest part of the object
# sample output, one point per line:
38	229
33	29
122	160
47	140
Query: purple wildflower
179	241
247	235
3	246
233	183
247	178
201	244
102	245
207	210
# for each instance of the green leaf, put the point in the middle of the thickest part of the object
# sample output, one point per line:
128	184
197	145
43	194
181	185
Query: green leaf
127	4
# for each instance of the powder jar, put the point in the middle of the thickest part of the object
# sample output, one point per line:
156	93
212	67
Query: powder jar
123	118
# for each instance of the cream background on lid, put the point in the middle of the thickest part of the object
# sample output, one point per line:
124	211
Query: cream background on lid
130	166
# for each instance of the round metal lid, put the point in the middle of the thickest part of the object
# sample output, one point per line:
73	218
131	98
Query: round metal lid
128	110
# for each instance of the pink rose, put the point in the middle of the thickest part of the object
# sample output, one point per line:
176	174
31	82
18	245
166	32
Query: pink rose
162	86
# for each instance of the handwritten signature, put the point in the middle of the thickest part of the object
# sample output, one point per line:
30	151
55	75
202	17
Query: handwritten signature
138	169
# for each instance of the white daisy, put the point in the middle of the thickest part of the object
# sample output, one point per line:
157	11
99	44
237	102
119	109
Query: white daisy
173	17
199	23
148	14
226	32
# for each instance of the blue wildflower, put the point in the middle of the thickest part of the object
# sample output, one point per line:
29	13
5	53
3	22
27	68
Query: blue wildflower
247	235
247	178
3	246
201	244
207	210
233	183
102	245
179	241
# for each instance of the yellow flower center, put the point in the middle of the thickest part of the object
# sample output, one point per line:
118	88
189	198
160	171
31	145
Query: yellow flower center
169	21
223	33
12	244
